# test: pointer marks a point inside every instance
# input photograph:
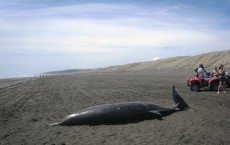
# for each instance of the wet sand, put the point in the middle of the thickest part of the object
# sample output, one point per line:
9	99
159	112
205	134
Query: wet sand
29	105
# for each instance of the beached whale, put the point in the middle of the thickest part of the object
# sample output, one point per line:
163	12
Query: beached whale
123	112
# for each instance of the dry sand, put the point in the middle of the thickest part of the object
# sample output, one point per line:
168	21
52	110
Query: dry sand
28	105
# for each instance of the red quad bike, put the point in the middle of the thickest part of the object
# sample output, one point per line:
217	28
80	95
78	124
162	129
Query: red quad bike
197	83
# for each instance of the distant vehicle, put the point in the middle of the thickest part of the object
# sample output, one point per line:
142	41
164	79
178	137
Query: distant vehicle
198	83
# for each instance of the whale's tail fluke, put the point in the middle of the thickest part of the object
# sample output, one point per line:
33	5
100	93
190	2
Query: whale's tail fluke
182	105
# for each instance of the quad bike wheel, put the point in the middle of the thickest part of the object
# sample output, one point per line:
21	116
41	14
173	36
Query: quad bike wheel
228	82
214	86
195	87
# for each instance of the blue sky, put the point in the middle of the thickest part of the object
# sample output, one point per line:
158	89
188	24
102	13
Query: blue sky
44	35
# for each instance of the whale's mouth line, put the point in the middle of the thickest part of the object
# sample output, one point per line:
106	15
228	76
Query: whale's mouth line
54	124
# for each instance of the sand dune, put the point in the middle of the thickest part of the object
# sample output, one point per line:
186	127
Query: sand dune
209	60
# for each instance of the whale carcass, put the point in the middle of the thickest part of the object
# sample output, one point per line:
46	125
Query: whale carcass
123	112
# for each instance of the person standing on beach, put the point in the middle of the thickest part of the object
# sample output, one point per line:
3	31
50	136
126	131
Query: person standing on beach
222	82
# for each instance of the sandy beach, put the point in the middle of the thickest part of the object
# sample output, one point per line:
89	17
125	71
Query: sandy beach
29	105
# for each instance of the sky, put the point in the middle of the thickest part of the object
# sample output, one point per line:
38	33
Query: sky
47	35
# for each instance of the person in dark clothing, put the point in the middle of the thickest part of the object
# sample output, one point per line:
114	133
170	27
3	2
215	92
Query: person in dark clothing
222	82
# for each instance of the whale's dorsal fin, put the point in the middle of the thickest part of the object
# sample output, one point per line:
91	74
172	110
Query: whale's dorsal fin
155	112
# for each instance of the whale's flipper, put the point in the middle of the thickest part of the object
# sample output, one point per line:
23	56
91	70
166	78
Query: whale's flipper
182	105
